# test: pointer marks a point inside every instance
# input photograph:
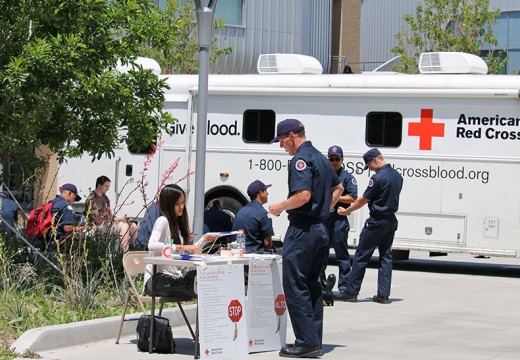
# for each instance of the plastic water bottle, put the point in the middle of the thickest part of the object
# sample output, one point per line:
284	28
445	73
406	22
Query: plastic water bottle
241	241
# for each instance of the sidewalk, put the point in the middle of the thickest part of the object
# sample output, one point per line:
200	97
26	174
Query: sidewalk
433	315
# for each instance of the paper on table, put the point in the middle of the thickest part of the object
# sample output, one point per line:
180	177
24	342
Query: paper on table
222	233
262	256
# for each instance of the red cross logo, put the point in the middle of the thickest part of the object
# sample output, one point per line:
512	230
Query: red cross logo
206	352
426	129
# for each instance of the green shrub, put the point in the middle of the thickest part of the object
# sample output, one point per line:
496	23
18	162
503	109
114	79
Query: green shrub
89	284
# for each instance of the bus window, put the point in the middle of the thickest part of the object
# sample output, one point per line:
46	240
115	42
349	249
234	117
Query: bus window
258	126
384	129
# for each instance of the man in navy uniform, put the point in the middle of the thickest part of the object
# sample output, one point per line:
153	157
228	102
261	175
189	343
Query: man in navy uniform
314	189
63	215
337	224
382	197
10	213
254	219
217	220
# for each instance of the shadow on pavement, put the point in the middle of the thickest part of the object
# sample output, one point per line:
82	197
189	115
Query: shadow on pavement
327	348
183	346
456	267
477	267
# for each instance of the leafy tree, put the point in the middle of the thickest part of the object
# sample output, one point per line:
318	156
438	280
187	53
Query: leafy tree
179	55
58	85
448	25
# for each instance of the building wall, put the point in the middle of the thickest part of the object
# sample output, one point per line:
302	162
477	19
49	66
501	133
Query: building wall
346	15
382	19
273	26
505	5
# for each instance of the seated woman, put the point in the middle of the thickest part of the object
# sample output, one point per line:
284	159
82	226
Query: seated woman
97	207
173	225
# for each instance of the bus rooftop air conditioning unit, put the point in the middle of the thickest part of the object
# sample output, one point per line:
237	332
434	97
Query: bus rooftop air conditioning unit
288	64
451	63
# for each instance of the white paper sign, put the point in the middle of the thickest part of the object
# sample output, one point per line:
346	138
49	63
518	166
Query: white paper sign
221	306
266	309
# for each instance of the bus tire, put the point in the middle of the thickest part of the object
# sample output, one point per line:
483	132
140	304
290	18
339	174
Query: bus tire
231	206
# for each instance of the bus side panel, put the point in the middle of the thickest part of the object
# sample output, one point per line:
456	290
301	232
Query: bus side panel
450	196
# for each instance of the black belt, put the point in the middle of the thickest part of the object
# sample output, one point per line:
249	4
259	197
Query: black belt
382	215
304	219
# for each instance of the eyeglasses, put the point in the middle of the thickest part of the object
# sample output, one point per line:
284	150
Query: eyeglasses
334	159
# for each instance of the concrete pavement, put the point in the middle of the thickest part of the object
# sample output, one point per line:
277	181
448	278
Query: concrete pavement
464	311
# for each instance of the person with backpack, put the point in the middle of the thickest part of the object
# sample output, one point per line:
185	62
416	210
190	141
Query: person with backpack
63	216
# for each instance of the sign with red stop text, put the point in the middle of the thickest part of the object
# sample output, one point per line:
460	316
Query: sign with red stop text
266	307
222	322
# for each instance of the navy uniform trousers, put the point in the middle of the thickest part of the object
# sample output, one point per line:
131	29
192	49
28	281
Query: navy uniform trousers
304	247
338	229
377	233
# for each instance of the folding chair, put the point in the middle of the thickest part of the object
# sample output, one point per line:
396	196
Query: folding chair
133	265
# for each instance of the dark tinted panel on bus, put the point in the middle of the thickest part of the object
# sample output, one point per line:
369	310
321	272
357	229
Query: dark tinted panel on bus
384	129
258	126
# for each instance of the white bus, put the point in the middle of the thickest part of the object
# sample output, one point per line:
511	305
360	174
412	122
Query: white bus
455	139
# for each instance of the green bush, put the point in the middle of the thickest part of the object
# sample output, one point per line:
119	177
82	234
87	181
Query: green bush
89	284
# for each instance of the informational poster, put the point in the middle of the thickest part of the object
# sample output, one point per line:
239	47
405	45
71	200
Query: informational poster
221	306
266	308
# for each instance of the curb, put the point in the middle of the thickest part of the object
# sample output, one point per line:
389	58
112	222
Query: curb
82	332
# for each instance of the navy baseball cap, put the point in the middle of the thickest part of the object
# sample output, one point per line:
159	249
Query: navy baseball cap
255	187
71	188
370	155
335	150
287	126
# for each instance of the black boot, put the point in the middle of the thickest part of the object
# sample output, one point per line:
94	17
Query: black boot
330	282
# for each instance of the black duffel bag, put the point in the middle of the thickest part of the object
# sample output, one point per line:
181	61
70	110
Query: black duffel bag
163	341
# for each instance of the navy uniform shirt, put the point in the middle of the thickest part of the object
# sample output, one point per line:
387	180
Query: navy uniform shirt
145	228
257	225
349	183
383	191
9	213
63	214
310	170
217	220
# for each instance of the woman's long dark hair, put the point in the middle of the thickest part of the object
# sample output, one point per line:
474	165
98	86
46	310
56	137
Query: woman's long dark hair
167	199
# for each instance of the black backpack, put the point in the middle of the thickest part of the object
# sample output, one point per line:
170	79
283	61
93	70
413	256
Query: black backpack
163	341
